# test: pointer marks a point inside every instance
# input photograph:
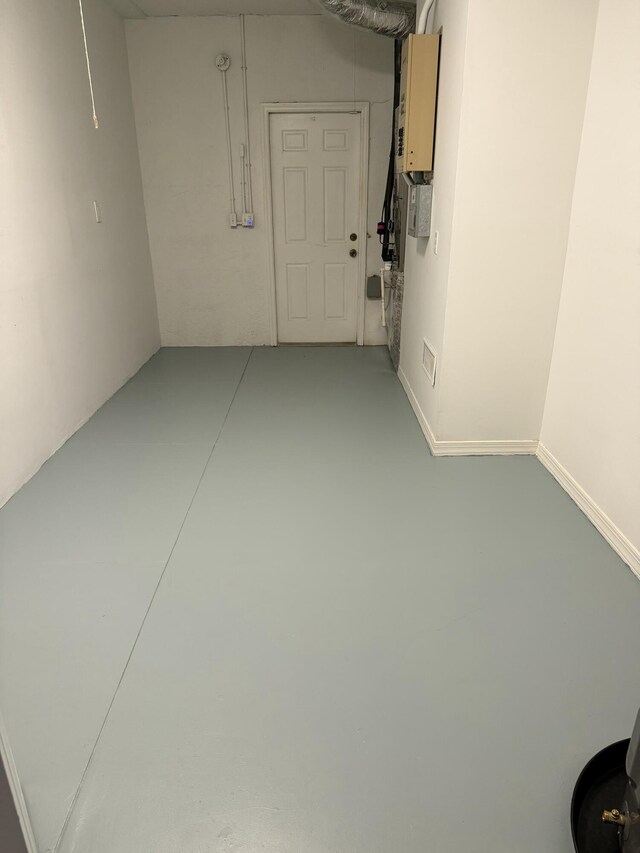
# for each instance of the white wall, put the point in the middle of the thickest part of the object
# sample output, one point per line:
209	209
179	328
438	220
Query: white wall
77	307
592	415
211	281
491	315
427	274
526	74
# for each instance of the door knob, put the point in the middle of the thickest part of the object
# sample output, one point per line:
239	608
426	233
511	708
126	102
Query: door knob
353	237
353	253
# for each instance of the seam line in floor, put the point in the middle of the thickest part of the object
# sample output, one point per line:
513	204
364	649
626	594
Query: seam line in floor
76	795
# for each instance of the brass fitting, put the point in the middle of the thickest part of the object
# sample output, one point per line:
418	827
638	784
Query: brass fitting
613	816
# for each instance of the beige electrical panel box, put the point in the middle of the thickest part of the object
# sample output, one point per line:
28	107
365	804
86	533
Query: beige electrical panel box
416	115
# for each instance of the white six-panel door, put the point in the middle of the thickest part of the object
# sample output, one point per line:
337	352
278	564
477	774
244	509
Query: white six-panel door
315	180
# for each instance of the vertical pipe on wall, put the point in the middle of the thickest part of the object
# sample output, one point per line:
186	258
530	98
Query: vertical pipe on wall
424	17
223	63
243	179
243	63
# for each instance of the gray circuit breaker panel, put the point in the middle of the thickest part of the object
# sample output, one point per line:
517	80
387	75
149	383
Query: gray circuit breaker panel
419	210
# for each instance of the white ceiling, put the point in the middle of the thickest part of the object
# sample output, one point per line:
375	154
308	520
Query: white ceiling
189	8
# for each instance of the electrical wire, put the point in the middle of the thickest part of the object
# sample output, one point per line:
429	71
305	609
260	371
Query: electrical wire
386	218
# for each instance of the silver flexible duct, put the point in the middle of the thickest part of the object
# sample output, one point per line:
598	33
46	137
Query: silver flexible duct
394	18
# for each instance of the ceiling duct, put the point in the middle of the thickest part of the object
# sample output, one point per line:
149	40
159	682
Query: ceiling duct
394	18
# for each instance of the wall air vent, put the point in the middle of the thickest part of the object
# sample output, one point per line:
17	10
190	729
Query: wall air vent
429	361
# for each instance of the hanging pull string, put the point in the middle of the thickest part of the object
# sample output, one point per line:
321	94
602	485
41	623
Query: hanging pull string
86	53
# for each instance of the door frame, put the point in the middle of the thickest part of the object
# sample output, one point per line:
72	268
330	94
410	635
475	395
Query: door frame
357	107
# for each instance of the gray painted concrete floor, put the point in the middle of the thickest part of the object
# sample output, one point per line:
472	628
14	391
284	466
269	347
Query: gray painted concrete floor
243	609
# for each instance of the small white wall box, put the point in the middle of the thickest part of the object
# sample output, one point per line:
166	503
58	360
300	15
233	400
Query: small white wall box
419	212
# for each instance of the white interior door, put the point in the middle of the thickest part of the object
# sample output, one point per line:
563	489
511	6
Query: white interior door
316	196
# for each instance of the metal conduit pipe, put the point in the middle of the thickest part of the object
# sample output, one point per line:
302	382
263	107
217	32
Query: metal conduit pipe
394	18
424	17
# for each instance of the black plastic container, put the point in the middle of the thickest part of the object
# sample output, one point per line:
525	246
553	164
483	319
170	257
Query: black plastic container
600	786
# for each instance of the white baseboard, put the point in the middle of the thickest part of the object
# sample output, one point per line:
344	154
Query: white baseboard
14	487
600	520
14	784
438	447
